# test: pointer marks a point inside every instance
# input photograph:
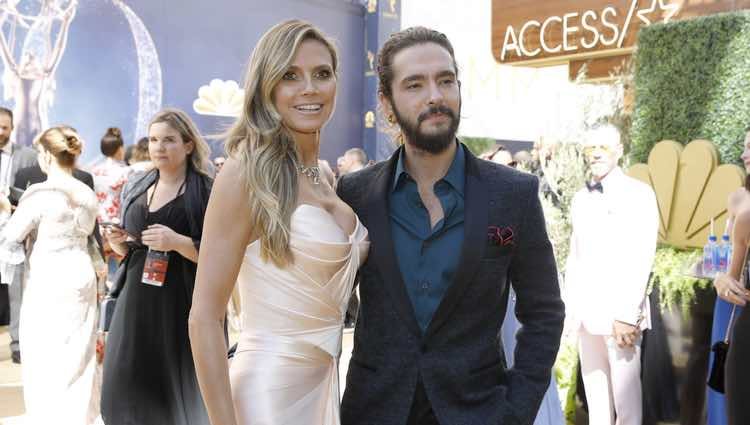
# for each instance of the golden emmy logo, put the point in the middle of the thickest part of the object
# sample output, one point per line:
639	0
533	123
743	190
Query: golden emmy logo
369	119
393	6
371	60
372	6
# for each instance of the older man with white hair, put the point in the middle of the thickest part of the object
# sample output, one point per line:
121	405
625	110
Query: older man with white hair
615	224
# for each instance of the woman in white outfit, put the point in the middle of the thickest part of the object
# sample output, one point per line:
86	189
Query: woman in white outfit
61	377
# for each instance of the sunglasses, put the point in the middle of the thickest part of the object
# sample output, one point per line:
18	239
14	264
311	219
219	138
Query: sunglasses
589	150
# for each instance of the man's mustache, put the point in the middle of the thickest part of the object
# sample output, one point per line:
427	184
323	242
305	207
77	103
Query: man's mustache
435	110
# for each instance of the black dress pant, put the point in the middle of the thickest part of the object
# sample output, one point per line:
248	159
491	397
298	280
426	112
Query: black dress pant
421	410
4	305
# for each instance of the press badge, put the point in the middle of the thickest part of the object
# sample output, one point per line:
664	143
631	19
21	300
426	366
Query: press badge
155	269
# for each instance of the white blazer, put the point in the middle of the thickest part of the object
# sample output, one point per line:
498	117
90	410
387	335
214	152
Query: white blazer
611	254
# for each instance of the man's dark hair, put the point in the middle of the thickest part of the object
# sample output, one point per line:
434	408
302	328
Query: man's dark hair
128	154
401	40
7	112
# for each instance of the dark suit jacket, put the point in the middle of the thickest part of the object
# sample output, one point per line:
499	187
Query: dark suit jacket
25	177
459	357
23	156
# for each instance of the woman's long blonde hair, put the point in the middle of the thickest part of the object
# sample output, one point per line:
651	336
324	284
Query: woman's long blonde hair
180	121
262	144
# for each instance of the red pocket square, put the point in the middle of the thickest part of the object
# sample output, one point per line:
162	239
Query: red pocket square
500	235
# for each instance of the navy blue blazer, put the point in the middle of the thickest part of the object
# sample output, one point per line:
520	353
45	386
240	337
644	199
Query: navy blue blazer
459	357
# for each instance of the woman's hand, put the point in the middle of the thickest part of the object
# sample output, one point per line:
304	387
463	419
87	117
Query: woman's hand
161	238
115	236
730	290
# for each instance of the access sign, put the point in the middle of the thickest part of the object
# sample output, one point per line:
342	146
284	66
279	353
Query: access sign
553	31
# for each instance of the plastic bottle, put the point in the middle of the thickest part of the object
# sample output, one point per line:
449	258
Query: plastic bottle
710	256
725	254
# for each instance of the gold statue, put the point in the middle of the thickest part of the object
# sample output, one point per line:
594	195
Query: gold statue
369	119
31	47
371	60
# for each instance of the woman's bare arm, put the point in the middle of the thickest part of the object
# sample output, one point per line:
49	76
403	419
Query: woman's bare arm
728	285
226	234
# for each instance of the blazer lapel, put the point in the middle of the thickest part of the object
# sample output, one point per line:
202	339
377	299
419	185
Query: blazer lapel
475	237
381	247
15	165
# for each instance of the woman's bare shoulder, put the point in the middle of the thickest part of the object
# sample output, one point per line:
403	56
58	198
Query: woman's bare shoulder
742	221
229	202
231	178
737	199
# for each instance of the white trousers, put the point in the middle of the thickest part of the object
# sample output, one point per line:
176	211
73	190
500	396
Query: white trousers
612	379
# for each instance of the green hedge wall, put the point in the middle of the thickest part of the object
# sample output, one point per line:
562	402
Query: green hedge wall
692	81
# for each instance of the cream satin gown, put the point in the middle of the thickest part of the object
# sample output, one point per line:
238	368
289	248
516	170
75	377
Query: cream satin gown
285	370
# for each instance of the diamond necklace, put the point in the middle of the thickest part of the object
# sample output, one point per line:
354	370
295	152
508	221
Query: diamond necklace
312	173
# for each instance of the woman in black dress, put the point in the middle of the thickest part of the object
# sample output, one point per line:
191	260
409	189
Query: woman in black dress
149	376
732	288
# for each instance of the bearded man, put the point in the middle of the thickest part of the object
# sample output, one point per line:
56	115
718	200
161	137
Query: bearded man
449	233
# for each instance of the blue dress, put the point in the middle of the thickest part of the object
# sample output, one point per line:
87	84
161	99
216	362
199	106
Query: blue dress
550	412
716	402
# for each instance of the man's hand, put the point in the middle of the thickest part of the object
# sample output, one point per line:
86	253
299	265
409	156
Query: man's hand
4	203
625	334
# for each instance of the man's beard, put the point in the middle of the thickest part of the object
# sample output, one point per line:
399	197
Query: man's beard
4	141
432	143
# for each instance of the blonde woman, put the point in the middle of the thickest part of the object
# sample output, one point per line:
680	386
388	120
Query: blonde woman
149	377
61	378
291	244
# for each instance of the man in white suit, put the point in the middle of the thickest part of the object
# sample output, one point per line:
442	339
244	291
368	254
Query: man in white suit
615	226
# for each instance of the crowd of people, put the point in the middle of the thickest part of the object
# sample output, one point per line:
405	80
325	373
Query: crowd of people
429	255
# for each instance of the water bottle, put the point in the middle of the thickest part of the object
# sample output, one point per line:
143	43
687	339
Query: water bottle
725	254
710	256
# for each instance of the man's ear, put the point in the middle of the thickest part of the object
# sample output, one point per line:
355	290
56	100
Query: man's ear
385	105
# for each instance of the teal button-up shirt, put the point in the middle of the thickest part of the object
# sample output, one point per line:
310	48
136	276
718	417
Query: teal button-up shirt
428	257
